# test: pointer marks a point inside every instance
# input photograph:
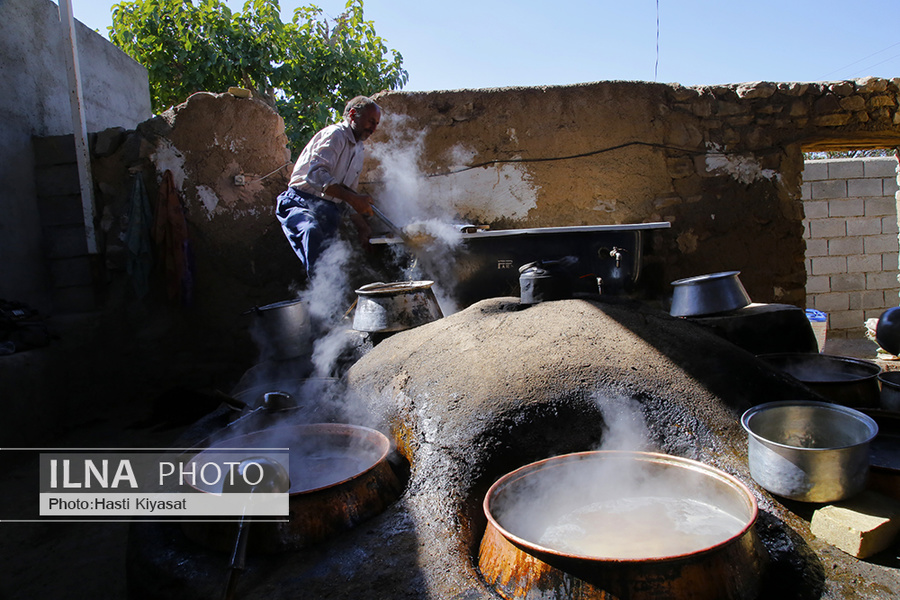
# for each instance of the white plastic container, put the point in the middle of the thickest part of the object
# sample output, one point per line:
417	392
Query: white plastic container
819	323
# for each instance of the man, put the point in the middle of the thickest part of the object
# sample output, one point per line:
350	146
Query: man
324	183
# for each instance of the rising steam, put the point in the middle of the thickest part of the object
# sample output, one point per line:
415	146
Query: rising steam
422	206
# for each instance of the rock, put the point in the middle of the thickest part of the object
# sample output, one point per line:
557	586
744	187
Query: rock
827	104
681	94
758	89
835	120
853	103
844	88
861	526
872	84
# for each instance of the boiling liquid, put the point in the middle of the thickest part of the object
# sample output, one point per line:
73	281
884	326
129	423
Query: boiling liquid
640	527
320	469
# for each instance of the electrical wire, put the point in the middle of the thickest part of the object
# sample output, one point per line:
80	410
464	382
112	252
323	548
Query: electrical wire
272	173
862	59
879	63
497	161
656	66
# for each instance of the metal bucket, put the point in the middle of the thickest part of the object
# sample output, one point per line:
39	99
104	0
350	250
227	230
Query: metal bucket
517	562
809	451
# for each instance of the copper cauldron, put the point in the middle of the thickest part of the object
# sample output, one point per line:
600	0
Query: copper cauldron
339	477
631	525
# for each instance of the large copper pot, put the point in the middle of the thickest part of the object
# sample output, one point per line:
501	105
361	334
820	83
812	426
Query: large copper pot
340	476
516	565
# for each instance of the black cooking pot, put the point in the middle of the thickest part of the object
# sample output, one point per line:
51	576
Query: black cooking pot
840	379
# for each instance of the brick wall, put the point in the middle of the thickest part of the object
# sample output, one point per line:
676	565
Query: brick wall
851	240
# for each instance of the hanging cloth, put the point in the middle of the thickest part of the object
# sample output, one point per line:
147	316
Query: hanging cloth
171	237
137	237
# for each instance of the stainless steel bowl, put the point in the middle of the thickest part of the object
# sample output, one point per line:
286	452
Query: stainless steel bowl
809	451
708	295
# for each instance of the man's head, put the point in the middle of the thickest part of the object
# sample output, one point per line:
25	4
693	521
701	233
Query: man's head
363	115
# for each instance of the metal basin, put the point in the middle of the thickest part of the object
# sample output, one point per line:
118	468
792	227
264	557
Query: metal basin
809	451
839	379
708	294
612	525
339	477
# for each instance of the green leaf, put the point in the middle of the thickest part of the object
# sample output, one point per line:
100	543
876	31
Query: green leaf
309	67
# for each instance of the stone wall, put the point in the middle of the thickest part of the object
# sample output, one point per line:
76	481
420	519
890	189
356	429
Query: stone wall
721	163
851	240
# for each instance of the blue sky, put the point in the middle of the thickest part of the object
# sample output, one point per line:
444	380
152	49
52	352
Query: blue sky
494	43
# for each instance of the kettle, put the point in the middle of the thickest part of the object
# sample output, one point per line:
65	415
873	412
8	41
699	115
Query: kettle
541	281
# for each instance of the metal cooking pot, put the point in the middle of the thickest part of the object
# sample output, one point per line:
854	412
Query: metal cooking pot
516	565
890	390
390	307
809	451
708	294
840	379
282	328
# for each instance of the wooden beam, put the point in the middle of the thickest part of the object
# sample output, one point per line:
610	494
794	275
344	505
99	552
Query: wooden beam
79	123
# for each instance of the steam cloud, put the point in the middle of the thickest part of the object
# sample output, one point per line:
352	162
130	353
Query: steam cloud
421	205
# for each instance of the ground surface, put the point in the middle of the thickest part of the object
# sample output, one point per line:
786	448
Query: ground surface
89	560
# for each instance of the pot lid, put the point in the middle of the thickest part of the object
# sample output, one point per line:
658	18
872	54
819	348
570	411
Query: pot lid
393	288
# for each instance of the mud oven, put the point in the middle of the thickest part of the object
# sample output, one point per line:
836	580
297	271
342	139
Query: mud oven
500	415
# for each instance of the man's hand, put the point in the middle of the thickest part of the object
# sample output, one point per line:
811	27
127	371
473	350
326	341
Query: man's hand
361	203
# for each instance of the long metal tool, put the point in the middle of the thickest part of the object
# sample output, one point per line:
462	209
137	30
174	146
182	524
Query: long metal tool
394	229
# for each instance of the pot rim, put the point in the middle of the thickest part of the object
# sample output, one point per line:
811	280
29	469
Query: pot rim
699	279
281	304
393	288
382	444
865	419
890	378
864	364
655	457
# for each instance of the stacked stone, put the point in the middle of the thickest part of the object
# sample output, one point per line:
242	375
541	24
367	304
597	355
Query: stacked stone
754	116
